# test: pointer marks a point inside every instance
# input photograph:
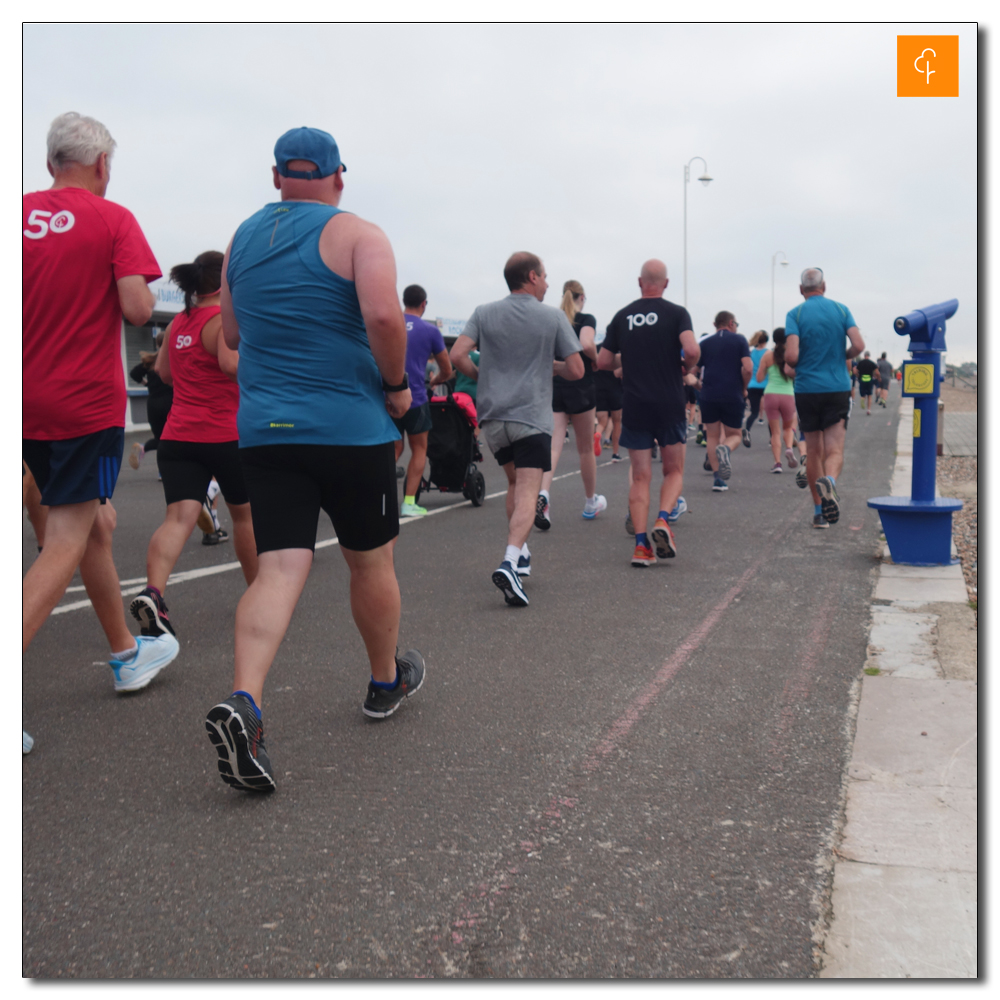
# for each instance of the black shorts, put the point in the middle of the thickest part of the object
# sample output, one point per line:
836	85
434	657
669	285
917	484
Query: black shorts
78	469
690	395
865	388
533	452
187	467
289	483
416	420
729	414
573	397
820	410
609	392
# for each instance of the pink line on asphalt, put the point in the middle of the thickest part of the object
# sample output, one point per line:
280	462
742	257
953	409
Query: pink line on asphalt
476	906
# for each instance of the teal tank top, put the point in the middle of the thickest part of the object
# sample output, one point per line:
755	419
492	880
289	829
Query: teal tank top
306	374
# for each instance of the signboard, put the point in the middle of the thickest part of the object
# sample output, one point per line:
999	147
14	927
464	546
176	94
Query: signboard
169	298
450	328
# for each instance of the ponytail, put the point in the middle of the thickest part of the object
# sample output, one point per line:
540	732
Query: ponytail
202	277
572	290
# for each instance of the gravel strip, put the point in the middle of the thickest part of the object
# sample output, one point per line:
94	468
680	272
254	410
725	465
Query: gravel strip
960	476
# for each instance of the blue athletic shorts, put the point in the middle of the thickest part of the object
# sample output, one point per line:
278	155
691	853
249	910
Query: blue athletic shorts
78	469
643	440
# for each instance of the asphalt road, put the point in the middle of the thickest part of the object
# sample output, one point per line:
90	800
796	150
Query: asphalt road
639	775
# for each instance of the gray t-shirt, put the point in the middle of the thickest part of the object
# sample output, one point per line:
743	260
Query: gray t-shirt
885	370
518	339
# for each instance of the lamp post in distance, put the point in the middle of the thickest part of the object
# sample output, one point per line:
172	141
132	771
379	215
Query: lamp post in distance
784	263
706	180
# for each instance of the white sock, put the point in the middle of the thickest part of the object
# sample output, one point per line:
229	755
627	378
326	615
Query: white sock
524	550
512	553
213	490
126	654
544	493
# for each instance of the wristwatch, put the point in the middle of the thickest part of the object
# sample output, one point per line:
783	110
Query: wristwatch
405	384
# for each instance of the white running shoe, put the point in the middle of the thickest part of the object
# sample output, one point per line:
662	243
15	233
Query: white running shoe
136	456
153	654
594	506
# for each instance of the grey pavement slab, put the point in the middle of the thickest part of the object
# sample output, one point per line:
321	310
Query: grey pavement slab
933	828
901	923
901	643
916	732
961	434
919	586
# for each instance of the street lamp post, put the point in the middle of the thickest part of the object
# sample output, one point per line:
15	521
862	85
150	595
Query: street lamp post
706	180
784	263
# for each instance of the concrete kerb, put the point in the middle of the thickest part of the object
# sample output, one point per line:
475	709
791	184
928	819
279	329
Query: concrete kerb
904	899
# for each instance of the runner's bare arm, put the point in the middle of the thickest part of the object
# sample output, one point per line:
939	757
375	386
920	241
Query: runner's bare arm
162	366
230	328
570	369
136	299
606	361
374	269
445	370
791	351
460	352
857	344
587	335
692	352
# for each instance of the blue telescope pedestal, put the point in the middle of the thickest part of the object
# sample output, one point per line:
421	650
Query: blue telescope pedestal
918	527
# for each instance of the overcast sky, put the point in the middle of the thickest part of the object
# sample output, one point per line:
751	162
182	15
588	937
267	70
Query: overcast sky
465	143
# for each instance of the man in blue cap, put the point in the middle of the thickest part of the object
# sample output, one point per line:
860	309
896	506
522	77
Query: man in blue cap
309	298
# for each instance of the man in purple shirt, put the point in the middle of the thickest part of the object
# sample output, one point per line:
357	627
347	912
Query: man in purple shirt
423	342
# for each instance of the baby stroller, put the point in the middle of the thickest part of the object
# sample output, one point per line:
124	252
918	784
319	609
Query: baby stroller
453	450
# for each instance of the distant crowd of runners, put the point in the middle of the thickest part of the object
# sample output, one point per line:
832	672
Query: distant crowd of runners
292	375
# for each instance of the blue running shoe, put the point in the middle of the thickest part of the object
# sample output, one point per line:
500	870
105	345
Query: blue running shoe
679	508
505	577
719	486
153	654
524	565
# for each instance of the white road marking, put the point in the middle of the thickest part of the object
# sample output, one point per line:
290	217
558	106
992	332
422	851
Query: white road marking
137	585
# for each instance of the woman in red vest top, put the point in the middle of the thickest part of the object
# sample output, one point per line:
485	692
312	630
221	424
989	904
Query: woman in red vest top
200	439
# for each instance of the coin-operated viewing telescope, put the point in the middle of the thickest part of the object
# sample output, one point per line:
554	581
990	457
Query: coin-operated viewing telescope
918	527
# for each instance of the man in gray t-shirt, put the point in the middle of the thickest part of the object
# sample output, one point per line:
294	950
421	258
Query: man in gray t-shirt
518	340
885	376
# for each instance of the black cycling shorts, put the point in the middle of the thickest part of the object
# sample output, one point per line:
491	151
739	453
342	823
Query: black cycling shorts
354	484
573	397
820	410
609	392
532	452
187	467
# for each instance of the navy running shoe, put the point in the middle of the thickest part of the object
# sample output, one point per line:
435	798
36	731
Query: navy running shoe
238	737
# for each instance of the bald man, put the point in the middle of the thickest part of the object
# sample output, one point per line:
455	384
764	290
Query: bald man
651	340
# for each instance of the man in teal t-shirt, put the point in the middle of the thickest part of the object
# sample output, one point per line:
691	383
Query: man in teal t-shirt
816	332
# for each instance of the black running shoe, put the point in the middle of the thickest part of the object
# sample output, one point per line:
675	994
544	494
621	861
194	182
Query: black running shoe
542	521
828	499
150	611
215	537
238	737
818	521
706	465
381	702
801	479
746	437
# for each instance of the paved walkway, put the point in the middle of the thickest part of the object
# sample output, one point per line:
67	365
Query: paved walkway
961	433
905	882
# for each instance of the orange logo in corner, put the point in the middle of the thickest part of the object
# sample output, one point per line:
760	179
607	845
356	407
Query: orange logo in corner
927	65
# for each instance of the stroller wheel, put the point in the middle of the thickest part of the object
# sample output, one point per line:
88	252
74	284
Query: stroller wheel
477	493
421	487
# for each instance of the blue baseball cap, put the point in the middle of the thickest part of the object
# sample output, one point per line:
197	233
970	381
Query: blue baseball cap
307	144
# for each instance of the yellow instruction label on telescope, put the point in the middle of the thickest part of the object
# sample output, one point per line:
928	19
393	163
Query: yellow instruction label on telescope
916	423
918	379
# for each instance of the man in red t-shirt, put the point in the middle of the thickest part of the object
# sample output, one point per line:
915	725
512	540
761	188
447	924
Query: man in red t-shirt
86	264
